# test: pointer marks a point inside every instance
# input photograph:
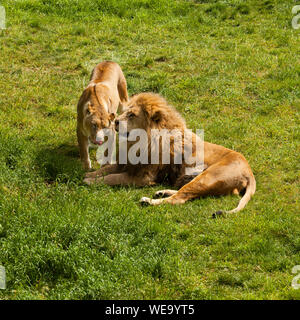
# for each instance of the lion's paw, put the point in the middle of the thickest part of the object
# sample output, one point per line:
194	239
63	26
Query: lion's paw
145	201
159	194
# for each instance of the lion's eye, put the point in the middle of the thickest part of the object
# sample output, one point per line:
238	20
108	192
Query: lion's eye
131	115
95	126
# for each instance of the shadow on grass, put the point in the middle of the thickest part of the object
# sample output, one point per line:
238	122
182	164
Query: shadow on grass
60	164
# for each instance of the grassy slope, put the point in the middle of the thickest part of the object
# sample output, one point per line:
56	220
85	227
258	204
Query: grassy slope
230	68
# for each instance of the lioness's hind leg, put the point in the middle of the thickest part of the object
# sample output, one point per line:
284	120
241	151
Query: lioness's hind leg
164	193
123	94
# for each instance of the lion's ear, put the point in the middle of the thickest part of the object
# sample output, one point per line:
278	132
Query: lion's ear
156	116
153	113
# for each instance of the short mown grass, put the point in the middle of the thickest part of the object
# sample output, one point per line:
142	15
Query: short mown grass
231	68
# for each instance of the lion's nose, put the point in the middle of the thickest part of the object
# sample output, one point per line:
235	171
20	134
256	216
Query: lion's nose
117	124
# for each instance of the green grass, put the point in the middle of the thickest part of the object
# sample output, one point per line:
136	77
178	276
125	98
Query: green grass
231	68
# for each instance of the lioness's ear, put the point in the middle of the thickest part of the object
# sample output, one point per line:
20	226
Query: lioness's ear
88	110
112	116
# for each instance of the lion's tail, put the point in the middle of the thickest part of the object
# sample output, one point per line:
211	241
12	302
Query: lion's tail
250	190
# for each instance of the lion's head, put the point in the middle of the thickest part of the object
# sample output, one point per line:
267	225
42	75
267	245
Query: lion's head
162	153
150	111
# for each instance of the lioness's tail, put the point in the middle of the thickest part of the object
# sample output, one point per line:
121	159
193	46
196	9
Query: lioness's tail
250	190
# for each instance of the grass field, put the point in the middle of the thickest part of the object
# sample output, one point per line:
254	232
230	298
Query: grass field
230	67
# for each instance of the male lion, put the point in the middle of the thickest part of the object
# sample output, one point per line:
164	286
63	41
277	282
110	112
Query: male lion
225	171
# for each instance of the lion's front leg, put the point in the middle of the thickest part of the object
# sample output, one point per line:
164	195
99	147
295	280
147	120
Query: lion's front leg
107	169
122	179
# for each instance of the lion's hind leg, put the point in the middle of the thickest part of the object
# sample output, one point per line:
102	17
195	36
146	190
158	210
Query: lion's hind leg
154	202
164	193
173	197
209	182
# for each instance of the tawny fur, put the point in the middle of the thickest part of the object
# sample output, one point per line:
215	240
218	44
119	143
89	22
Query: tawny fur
226	171
98	104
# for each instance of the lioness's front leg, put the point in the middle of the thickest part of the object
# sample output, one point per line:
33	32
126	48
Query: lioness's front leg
83	144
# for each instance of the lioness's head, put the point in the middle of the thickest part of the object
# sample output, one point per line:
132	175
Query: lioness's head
95	117
150	111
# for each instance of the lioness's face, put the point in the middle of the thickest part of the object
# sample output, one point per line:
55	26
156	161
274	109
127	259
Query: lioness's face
95	122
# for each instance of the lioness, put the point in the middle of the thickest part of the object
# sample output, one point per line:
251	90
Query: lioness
97	106
225	171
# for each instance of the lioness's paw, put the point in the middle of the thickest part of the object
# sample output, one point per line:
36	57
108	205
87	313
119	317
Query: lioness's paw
87	165
145	201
